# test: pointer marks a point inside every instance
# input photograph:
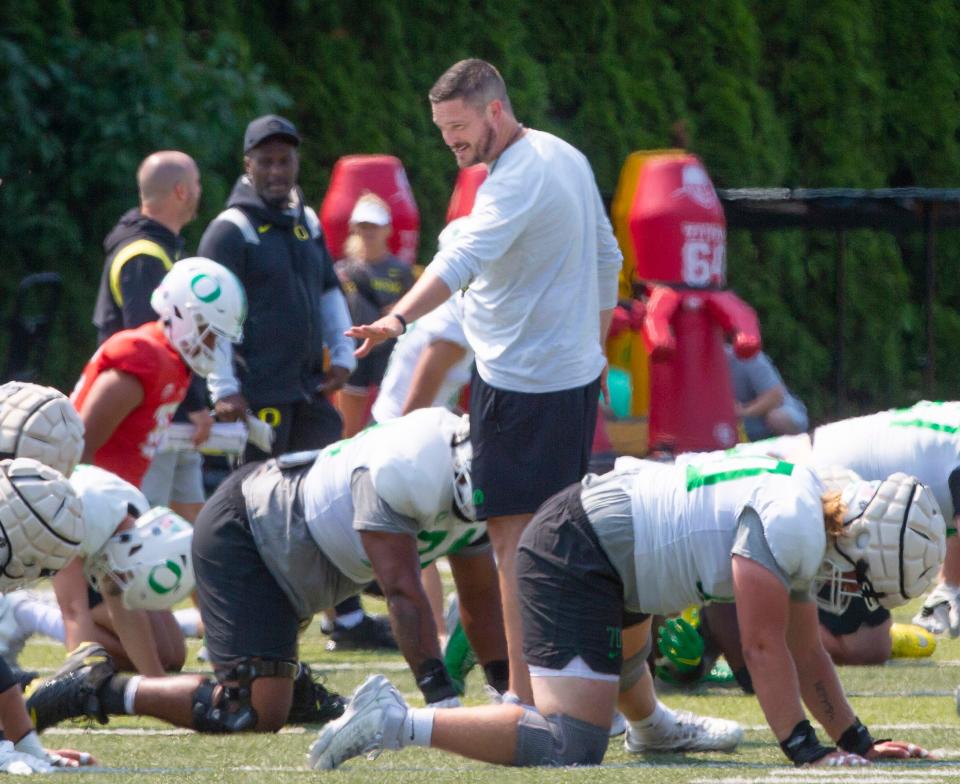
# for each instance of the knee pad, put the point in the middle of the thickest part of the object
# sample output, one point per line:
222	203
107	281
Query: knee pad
633	668
558	740
232	710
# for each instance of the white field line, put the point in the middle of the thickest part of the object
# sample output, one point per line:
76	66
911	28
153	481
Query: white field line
897	693
900	774
804	778
146	731
785	775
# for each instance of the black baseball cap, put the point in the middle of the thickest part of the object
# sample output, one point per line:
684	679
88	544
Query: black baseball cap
261	129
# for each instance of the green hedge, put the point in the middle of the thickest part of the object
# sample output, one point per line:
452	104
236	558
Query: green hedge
858	93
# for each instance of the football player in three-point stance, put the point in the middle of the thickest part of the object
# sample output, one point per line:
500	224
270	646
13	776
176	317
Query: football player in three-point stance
39	422
656	538
279	541
41	527
922	440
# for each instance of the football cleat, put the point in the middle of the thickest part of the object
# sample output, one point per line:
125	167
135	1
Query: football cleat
909	641
312	702
71	692
685	732
371	634
371	723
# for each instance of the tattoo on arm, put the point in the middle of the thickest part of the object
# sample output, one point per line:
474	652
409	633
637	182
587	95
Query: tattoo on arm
824	699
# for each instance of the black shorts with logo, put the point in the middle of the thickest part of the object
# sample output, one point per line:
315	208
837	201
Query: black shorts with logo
528	446
571	597
246	615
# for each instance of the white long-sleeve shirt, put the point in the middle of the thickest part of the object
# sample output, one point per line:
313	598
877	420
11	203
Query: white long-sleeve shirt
539	261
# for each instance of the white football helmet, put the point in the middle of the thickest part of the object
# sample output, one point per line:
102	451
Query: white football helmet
198	298
40	422
893	543
41	522
150	563
463	493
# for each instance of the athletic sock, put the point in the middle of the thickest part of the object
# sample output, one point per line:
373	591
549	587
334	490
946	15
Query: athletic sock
349	620
417	727
661	716
40	618
113	694
188	619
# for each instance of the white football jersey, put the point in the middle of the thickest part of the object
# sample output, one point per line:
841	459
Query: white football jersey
923	441
106	502
444	323
411	465
686	517
793	449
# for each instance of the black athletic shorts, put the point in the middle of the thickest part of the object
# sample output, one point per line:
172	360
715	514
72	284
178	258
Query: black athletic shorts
571	597
371	368
857	615
246	615
528	446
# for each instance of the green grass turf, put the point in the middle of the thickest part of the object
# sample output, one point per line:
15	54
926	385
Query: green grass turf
907	699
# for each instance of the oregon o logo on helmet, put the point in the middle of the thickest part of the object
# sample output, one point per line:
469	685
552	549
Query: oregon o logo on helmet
205	287
165	577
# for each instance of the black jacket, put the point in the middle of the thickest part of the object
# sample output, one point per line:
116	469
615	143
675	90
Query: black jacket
139	251
285	267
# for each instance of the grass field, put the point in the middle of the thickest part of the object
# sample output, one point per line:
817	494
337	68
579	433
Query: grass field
909	699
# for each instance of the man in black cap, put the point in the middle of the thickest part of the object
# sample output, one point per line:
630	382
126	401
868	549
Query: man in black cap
273	241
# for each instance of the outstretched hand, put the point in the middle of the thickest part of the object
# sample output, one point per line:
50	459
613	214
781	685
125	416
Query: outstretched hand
898	749
371	334
71	758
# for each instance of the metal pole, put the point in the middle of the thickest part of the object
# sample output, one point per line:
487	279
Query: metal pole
930	253
841	331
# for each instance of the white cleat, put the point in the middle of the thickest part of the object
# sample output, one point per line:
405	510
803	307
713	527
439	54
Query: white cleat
687	732
371	723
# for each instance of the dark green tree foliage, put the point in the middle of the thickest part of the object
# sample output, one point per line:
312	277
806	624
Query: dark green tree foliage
853	93
78	117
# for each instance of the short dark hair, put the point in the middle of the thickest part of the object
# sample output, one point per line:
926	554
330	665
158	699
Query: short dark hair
475	81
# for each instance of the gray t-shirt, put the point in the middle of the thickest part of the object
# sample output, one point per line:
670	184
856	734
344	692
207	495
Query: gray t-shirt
751	378
750	542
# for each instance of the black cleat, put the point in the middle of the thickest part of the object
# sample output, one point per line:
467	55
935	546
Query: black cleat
24	677
71	692
312	702
371	634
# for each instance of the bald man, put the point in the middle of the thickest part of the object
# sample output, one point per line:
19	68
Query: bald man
140	250
146	241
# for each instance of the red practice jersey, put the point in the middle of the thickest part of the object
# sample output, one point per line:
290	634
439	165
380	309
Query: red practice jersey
145	353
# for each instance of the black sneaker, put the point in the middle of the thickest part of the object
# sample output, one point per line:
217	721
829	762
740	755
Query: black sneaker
371	634
71	692
312	702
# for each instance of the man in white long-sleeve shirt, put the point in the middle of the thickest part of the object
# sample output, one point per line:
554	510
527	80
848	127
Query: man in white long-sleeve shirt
539	263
